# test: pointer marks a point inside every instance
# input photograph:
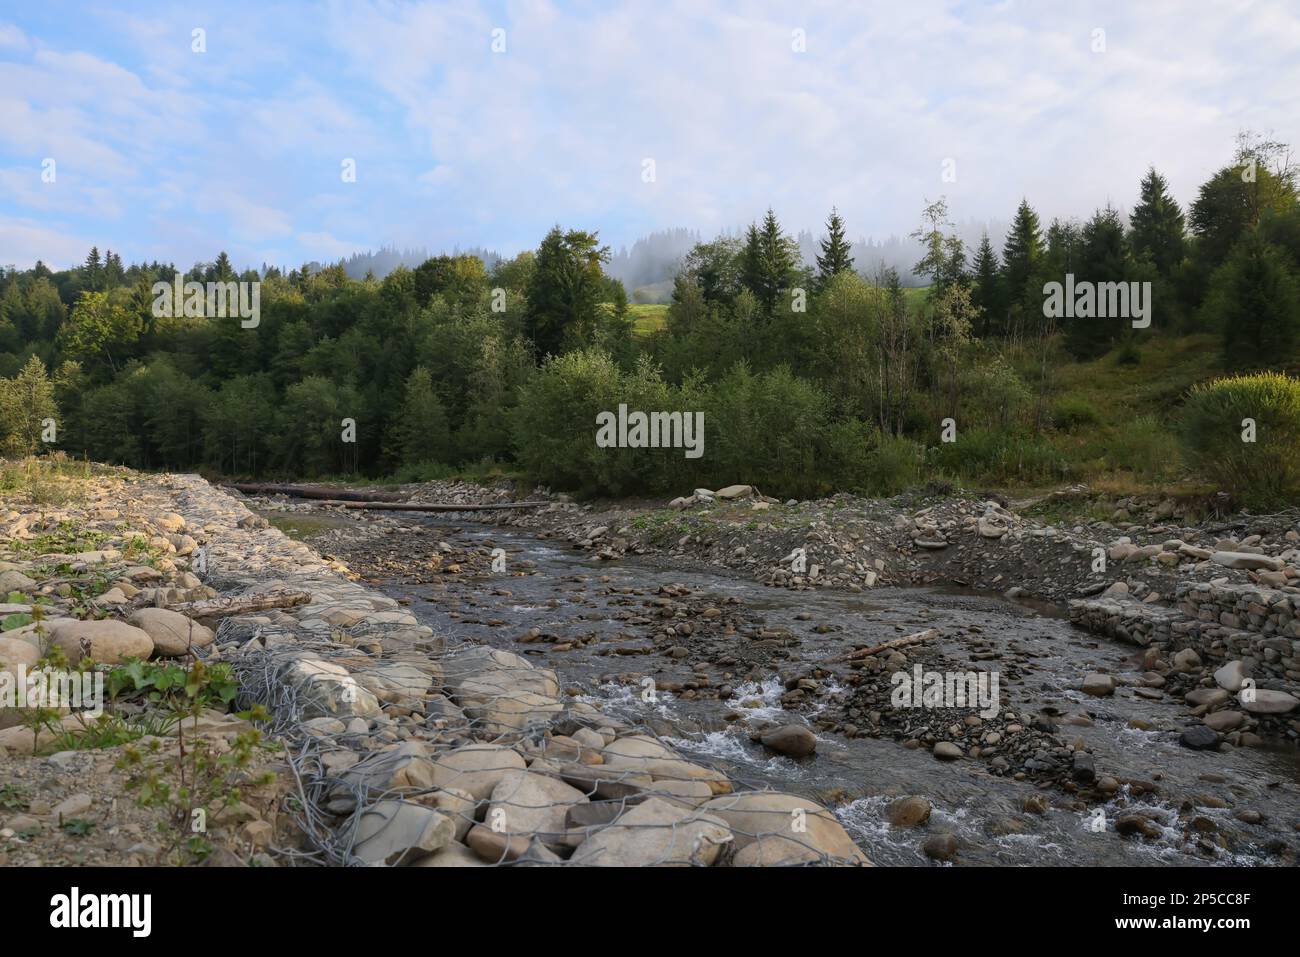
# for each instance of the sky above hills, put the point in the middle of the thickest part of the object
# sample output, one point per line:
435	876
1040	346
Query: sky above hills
624	117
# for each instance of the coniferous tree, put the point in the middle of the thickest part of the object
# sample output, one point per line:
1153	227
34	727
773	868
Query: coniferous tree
1254	300
835	257
1103	258
987	294
1020	255
1157	227
26	401
768	263
93	271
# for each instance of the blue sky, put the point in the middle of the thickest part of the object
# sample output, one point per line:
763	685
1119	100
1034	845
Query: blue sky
165	153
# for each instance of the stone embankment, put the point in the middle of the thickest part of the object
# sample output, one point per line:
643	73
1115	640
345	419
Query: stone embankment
399	749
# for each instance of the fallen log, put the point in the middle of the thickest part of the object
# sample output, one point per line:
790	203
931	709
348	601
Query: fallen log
431	507
315	492
903	642
240	604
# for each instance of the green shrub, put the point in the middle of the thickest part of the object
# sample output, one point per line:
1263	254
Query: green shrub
846	460
555	425
1071	411
1264	473
766	431
1128	354
1144	446
894	465
991	455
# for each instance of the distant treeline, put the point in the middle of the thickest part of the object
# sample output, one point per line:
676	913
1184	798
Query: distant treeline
812	377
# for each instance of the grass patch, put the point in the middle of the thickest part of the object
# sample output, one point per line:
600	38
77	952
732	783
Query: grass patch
647	318
298	527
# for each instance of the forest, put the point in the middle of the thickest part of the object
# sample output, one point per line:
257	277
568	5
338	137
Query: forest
813	377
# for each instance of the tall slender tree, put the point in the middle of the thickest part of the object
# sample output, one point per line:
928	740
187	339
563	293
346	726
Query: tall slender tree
1020	255
835	257
768	263
987	294
1157	225
564	288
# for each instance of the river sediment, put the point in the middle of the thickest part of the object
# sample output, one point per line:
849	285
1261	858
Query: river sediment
1092	728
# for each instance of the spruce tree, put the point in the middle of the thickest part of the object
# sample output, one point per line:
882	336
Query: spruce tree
768	264
1020	255
988	290
1157	225
835	257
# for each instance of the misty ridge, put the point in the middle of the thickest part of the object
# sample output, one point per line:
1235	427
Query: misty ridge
647	268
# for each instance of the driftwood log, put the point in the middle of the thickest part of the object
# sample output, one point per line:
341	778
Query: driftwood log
432	506
903	642
240	604
349	498
315	491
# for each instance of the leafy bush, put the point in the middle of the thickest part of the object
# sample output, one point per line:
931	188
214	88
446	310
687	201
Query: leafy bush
989	455
1261	474
767	430
1144	446
1071	411
846	460
894	465
555	424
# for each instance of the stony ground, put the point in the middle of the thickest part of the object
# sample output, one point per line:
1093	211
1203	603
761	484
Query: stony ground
388	747
1213	598
1139	558
385	746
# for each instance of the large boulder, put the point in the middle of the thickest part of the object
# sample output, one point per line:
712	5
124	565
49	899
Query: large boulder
459	805
500	691
1098	685
640	752
1247	560
735	491
532	804
801	825
15	581
399	682
325	689
1231	675
1264	701
395	832
792	739
173	634
15	652
108	642
655	833
454	854
475	768
405	766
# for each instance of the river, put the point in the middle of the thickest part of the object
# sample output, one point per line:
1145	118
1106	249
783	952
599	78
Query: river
1189	799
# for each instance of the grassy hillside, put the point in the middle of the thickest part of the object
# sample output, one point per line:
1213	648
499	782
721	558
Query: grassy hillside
647	318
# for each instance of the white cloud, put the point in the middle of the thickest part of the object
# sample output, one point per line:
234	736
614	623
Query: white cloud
11	37
240	147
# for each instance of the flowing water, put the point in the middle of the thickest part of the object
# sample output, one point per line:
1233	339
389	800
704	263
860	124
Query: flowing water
858	777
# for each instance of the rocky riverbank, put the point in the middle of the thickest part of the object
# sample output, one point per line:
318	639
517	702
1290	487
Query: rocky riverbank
1067	720
1198	596
394	747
